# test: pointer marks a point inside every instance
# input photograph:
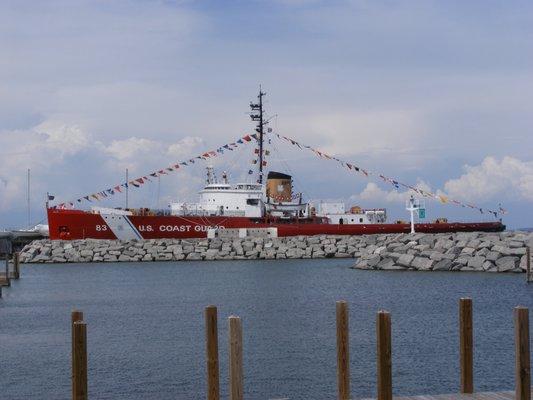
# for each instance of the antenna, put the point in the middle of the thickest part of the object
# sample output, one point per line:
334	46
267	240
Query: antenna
158	189
412	205
415	205
257	116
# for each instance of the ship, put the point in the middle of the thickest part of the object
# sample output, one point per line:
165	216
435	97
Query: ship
264	208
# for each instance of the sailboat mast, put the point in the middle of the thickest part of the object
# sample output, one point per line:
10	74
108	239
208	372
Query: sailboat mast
28	200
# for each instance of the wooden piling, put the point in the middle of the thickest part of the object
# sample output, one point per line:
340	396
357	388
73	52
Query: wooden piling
384	355
79	357
466	348
235	359
16	265
343	351
522	354
529	278
7	281
75	316
211	340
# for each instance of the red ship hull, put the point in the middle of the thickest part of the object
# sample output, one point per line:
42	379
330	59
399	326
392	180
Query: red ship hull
77	224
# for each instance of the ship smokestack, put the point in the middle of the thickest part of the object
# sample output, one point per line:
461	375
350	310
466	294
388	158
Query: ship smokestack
279	187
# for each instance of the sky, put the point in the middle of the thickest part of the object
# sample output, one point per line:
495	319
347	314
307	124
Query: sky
435	94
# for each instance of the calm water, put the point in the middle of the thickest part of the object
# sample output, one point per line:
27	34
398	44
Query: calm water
146	332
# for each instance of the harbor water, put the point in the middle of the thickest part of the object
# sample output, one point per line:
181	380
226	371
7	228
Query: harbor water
146	328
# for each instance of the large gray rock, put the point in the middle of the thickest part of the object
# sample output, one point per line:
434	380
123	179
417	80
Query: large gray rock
455	250
501	249
443	265
523	263
297	253
318	254
373	260
86	253
405	260
422	263
436	256
194	256
490	266
370	239
463	260
428	240
385	263
520	251
476	263
468	251
163	257
444	244
507	263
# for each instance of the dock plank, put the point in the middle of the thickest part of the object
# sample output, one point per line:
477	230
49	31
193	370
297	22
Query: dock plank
505	395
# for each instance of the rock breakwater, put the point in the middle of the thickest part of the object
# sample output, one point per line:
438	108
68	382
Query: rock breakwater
494	252
472	251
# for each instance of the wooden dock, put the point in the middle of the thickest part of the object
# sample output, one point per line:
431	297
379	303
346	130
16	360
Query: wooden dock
10	273
508	395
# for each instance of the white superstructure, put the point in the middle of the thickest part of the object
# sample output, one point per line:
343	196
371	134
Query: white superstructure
239	200
336	214
254	200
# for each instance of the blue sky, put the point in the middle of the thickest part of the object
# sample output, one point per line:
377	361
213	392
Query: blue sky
433	93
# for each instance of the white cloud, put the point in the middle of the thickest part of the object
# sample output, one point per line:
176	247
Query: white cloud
494	179
41	149
57	152
376	131
62	138
372	192
184	147
132	148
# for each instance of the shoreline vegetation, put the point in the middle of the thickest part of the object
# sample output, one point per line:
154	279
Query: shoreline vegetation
468	251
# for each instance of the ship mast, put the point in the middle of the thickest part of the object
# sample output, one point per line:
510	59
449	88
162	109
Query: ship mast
257	115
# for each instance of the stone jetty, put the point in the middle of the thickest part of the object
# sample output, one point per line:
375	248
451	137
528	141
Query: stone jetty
473	251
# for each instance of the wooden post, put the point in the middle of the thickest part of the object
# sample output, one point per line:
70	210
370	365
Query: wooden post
79	357
528	265
466	347
16	265
75	316
343	351
211	340
384	355
522	355
8	281
235	359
